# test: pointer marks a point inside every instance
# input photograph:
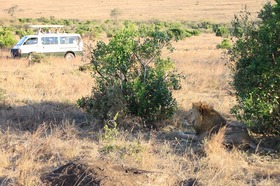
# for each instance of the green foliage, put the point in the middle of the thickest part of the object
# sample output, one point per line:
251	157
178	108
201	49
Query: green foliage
7	38
256	73
205	25
110	130
225	44
104	104
221	30
93	28
24	32
36	58
153	100
131	77
110	144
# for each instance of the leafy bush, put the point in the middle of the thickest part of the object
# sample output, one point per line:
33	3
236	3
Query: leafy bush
221	31
205	25
256	73
131	77
7	38
25	32
36	58
225	44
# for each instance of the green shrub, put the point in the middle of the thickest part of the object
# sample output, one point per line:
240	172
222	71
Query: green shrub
7	38
205	25
130	76
256	76
225	44
24	32
104	104
221	31
36	58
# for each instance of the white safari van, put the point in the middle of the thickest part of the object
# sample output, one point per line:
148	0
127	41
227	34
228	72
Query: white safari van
49	43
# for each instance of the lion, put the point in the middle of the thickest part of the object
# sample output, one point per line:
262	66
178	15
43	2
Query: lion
203	118
206	121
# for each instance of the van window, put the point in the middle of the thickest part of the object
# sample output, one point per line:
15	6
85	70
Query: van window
31	41
69	39
49	40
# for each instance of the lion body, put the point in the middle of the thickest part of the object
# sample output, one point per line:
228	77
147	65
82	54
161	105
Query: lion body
207	121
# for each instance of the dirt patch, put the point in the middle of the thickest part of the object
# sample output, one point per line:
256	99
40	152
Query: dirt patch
71	174
100	173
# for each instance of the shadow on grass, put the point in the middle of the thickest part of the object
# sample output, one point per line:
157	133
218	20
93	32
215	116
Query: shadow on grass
31	116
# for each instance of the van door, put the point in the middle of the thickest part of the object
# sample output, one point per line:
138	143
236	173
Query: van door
30	45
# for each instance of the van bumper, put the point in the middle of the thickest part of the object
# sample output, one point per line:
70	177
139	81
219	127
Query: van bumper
15	53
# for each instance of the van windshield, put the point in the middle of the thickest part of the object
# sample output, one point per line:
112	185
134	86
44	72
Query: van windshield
21	41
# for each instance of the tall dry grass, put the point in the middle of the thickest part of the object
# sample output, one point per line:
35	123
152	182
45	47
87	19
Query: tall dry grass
25	157
55	80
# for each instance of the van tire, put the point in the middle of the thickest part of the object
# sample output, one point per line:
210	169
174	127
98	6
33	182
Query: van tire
69	56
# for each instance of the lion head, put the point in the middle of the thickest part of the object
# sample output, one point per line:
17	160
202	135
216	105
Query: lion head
204	118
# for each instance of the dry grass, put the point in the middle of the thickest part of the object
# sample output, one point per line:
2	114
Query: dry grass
191	10
207	75
26	156
44	82
222	167
39	125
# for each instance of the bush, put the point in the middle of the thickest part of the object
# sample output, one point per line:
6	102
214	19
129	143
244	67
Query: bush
225	44
36	58
256	73
221	31
131	77
7	38
25	32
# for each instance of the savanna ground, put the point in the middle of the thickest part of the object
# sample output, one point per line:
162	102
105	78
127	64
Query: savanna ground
42	129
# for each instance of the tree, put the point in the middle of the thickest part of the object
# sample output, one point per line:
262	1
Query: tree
256	74
131	77
7	38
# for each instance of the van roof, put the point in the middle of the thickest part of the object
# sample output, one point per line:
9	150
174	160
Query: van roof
51	28
53	34
45	26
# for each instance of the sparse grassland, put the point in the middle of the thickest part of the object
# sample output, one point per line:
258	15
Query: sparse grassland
41	127
191	10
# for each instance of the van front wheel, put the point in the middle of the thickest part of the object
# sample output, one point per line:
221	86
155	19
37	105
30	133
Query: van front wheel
69	56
